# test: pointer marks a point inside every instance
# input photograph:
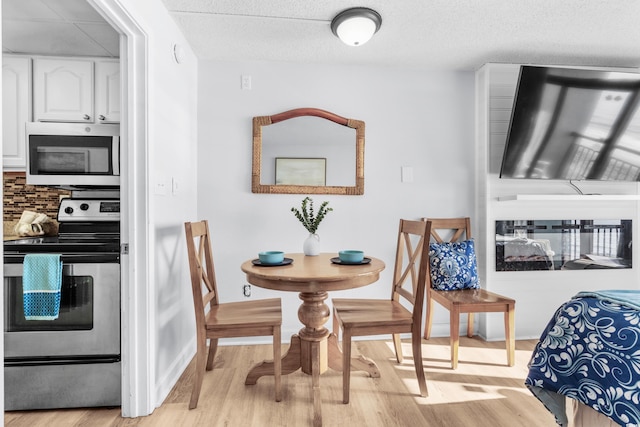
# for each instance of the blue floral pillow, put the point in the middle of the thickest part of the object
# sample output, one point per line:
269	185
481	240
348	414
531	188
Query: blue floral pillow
453	266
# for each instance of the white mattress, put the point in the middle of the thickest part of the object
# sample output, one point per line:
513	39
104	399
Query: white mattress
584	416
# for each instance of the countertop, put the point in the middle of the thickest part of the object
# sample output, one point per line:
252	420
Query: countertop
9	234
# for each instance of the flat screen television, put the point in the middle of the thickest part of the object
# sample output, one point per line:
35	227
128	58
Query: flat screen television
574	124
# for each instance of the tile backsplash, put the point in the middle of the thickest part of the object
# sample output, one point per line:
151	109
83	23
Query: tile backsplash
18	196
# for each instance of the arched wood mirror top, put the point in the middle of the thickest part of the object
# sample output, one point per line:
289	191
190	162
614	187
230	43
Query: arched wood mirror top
307	151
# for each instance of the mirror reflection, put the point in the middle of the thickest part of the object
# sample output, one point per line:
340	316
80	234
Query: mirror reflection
310	137
308	151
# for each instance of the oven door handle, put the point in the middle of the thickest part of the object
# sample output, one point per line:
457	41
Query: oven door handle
14	261
60	360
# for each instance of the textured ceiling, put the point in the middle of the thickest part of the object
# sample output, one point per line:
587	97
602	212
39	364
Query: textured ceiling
56	27
441	34
435	34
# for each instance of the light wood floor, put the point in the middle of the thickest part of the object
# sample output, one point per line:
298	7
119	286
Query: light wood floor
483	391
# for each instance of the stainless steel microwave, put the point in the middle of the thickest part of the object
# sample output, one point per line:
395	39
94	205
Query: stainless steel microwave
73	154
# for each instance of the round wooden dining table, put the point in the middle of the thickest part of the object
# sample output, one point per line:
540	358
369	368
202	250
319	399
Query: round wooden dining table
314	348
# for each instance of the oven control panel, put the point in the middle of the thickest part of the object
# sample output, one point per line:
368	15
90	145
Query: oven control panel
89	210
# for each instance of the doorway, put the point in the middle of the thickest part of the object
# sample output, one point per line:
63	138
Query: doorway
136	395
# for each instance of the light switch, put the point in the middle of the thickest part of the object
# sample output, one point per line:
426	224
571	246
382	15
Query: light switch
174	186
407	174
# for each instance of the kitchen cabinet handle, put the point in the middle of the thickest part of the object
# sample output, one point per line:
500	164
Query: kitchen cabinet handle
101	117
86	117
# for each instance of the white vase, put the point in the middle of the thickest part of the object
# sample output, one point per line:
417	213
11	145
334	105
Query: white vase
311	246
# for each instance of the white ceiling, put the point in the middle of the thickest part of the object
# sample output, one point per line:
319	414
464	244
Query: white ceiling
440	34
434	34
56	27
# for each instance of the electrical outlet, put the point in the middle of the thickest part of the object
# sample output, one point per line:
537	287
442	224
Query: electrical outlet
161	188
246	290
245	82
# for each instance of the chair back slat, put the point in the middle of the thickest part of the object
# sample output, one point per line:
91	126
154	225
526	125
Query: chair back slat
409	269
410	266
409	296
204	261
203	279
458	229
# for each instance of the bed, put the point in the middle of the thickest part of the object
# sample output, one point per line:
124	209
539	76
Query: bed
590	352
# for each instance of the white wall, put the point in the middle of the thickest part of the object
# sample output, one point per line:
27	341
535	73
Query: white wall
172	201
169	135
172	158
413	118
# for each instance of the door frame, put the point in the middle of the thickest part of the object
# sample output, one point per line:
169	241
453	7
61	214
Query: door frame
137	357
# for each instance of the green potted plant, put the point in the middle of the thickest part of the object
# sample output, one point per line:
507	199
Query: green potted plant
311	221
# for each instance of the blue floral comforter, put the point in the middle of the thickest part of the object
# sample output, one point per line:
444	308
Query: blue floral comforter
590	351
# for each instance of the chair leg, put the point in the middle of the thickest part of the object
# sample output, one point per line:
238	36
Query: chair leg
429	320
416	344
346	365
213	347
509	332
470	325
454	320
336	326
397	343
200	365
277	362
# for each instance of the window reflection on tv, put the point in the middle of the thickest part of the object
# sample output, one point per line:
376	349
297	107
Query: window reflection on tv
574	124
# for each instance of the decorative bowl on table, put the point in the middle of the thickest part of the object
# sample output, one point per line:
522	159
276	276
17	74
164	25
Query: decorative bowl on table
351	256
271	257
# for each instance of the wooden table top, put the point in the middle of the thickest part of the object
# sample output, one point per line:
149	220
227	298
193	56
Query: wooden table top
313	274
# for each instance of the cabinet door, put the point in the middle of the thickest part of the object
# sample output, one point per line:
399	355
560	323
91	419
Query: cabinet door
63	90
107	91
16	110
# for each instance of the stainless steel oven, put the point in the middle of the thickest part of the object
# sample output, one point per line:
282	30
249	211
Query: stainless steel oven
73	361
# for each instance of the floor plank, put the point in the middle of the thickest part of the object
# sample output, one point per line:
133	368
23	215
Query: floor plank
483	391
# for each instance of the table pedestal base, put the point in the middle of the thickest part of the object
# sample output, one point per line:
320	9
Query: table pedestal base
313	350
292	361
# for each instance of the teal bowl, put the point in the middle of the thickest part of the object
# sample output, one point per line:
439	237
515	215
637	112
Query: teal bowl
271	257
351	256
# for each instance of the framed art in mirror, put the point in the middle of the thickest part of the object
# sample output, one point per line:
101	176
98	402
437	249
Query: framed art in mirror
300	171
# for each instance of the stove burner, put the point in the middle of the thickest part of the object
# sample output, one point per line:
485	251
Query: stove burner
86	226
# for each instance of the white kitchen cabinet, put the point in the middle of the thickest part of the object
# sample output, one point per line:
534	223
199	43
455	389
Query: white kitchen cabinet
107	91
16	109
85	90
63	90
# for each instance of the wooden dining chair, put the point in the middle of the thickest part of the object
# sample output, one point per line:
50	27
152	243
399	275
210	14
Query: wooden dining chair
470	300
360	317
234	319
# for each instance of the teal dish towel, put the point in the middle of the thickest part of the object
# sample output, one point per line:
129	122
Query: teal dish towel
41	285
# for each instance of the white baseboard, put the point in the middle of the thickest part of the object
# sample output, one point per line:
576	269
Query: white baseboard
171	375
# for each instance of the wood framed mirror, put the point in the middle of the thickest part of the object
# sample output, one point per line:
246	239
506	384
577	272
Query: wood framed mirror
307	151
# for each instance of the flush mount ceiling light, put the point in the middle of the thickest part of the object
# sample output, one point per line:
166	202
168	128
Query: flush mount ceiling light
356	26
